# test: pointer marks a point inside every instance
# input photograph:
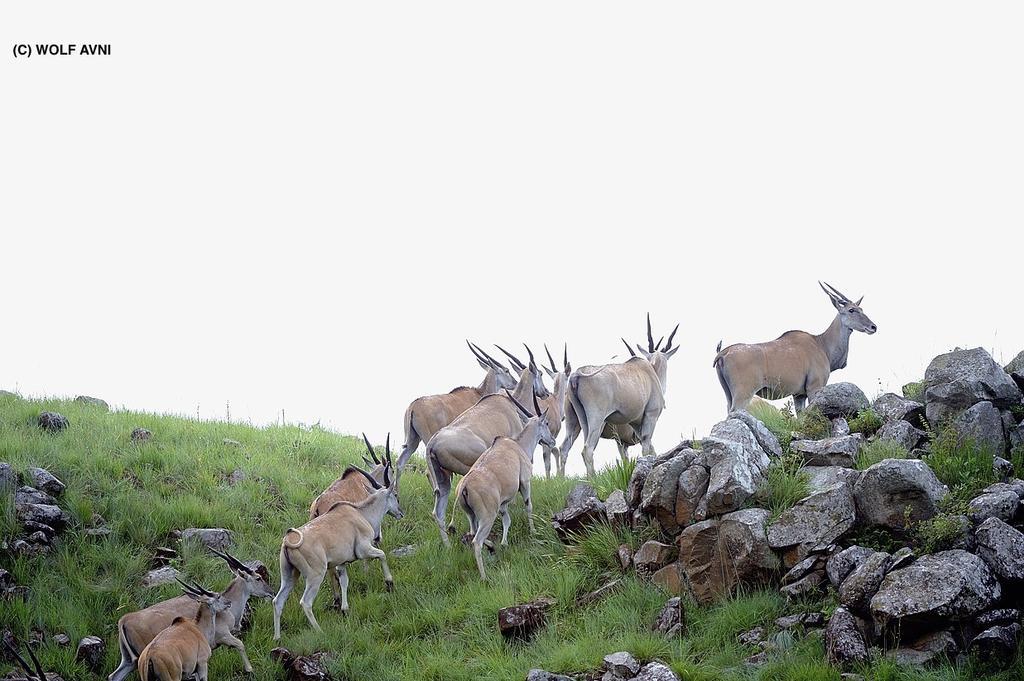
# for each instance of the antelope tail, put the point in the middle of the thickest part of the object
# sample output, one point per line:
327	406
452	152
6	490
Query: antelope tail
128	642
574	400
297	544
718	357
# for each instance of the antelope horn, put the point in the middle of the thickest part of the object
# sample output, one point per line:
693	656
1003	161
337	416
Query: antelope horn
496	363
565	357
533	363
658	345
188	588
536	404
475	353
631	353
550	359
524	410
670	337
387	447
845	298
833	293
232	561
35	661
519	366
650	336
373	483
24	665
369	448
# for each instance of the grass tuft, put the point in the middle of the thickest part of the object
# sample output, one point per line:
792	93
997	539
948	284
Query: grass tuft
866	422
879	450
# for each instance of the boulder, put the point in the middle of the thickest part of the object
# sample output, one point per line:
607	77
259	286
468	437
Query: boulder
832	451
90	653
661	488
582	509
888	489
842	563
541	675
820	477
1002	548
996	647
946	586
161	576
902	433
934	646
141	435
735	474
982	425
691	495
45	514
813	522
805	586
521	622
862	583
216	538
765	438
616	508
93	402
803	619
1016	365
1002	468
671	620
840	399
840	427
670	578
999	503
634	489
44	480
656	671
52	422
844	642
902	558
892	407
621	665
962	378
652	556
1016	436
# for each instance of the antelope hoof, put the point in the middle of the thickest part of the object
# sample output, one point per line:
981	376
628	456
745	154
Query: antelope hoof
337	604
389	586
451	529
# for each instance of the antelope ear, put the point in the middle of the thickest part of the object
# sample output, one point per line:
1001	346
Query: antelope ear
672	351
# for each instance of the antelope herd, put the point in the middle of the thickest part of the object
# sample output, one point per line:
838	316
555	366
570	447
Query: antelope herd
487	434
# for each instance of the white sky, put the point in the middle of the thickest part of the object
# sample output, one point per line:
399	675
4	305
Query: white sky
310	207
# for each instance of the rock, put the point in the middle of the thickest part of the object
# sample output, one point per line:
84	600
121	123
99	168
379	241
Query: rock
670	578
31	495
162	556
216	538
652	556
832	451
671	620
1002	504
521	622
806	585
231	443
932	647
616	508
643	467
803	568
902	433
861	584
46	514
8	477
237	477
90	653
946	586
161	576
661	488
840	399
981	425
886	490
625	556
752	637
141	435
691	495
44	480
822	477
1016	365
541	675
804	619
735	474
844	643
93	402
996	647
621	665
656	671
719	555
892	407
765	438
1002	468
303	667
902	558
840	427
404	551
62	640
52	422
991	618
595	595
814	522
582	509
1002	548
962	378
1016	436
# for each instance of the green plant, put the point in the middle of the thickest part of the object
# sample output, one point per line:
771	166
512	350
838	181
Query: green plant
961	463
812	424
879	450
614	477
779	421
877	538
941	531
785	484
866	422
915	391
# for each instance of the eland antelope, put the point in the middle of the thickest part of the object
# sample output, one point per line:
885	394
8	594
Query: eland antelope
136	629
796	363
353	486
456	447
183	649
429	414
329	542
628	394
500	473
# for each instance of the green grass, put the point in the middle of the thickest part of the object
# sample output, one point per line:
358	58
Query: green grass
439	623
613	477
879	450
866	422
779	421
962	464
785	484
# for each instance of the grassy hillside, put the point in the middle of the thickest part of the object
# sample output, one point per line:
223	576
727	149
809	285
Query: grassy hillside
439	623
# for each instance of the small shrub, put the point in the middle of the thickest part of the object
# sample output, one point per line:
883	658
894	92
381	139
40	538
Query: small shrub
915	391
876	538
779	421
961	464
812	424
785	484
940	532
866	422
879	450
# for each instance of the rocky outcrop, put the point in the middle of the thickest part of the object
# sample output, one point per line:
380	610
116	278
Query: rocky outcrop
962	378
894	492
840	399
582	509
820	477
981	425
891	407
1002	548
813	523
832	451
862	583
844	641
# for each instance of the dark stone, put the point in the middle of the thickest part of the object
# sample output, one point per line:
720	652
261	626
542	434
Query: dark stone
995	648
142	435
90	653
671	620
52	422
521	622
93	402
844	642
840	399
621	665
858	588
302	667
541	675
932	647
1002	548
582	509
892	407
652	556
62	640
45	480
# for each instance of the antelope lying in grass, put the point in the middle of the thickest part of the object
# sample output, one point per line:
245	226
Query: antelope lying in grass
456	447
329	542
30	675
796	363
183	649
429	414
352	486
136	629
628	394
501	472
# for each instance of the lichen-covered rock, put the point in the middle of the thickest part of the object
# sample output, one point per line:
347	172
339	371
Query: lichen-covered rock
634	489
735	474
765	438
842	563
90	652
981	425
541	675
844	642
52	422
892	407
932	647
962	378
621	665
691	495
656	671
661	488
946	586
582	509
652	556
821	477
995	648
45	480
862	583
211	537
141	435
840	399
521	622
902	433
832	451
894	492
671	620
1000	503
814	522
1002	548
616	508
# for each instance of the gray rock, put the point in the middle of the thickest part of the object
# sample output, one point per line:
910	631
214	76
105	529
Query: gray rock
656	671
935	646
858	588
52	422
832	451
46	514
541	675
803	568
814	522
996	647
806	585
962	378
621	665
892	407
950	585
31	495
8	477
658	498
1002	468
93	402
90	652
1000	504
231	443
735	474
211	537
982	425
840	427
1002	548
582	509
652	556
820	477
840	399
161	576
671	619
844	642
634	489
902	558
404	551
752	637
766	438
691	495
1016	436
44	480
1016	365
888	489
842	563
141	435
902	433
616	508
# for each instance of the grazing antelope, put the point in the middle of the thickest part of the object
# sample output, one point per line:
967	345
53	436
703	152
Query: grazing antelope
501	472
352	486
796	363
429	414
457	446
136	629
183	649
631	393
30	675
329	542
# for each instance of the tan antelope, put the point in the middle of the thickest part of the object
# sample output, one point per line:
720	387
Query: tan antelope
329	542
183	649
136	629
796	363
30	675
631	393
500	473
352	486
456	447
429	414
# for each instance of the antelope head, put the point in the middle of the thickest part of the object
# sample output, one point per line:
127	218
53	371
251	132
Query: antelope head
394	508
215	601
257	582
553	371
502	376
539	389
537	415
851	316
